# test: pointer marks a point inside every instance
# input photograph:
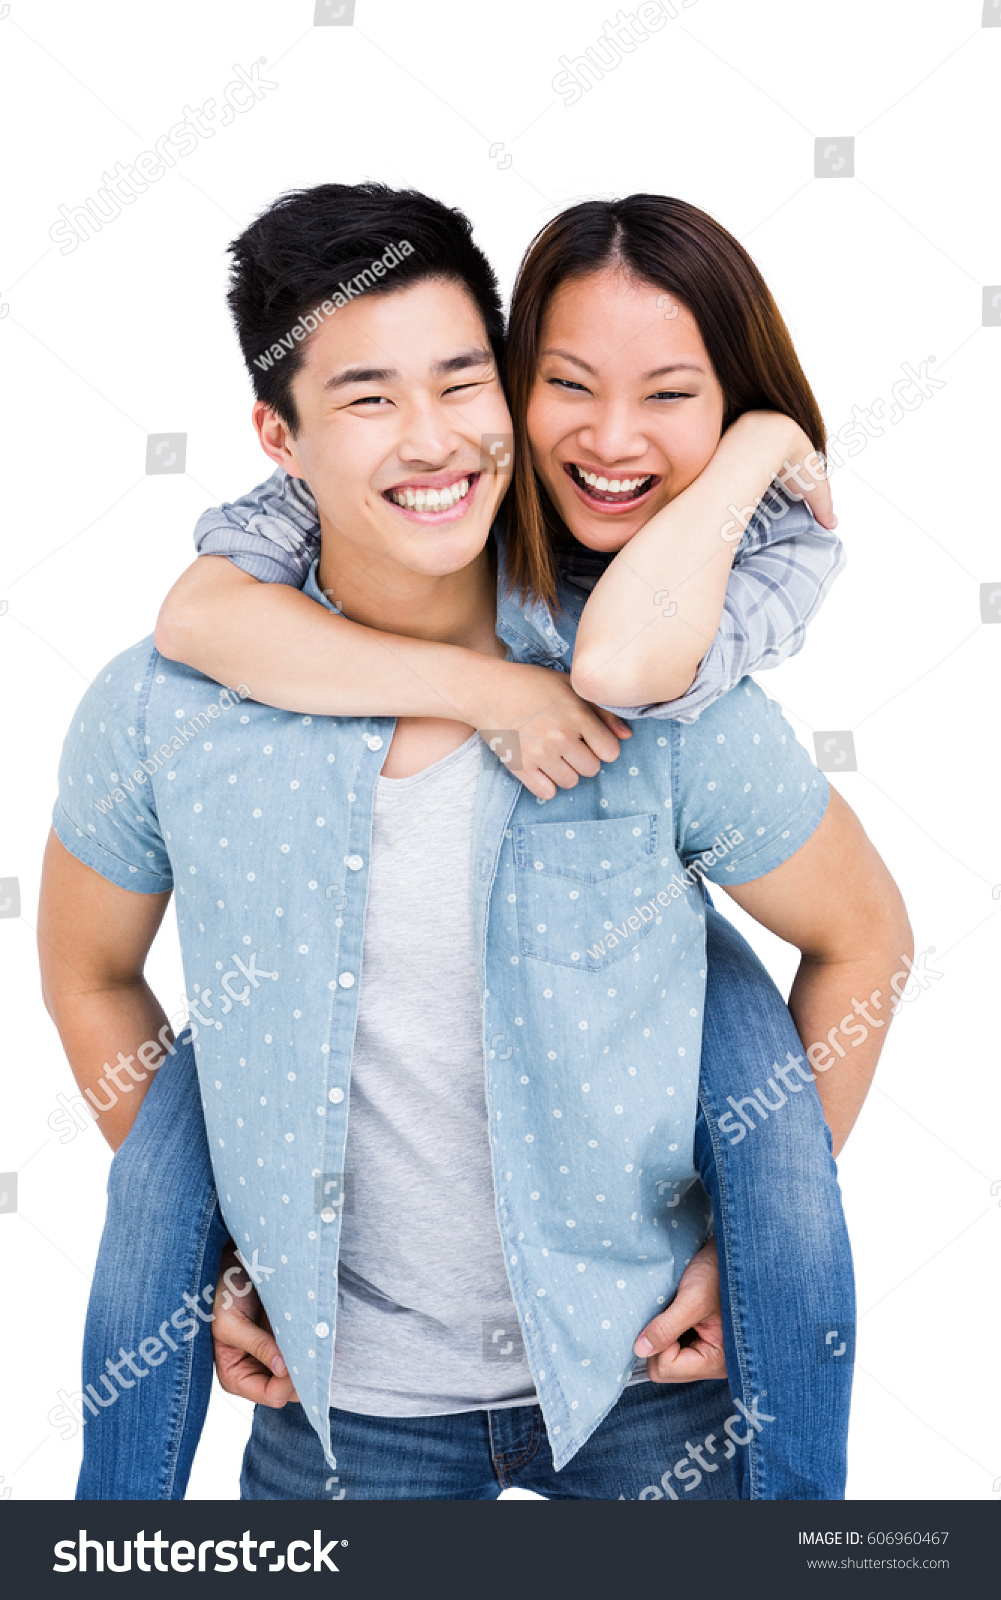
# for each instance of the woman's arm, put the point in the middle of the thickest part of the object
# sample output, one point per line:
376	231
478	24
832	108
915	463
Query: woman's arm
294	654
656	611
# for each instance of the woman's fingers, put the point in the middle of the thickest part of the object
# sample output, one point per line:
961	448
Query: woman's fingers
621	729
821	503
243	1375
686	1363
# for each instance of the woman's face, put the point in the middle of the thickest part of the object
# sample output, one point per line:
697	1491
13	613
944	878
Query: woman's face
626	409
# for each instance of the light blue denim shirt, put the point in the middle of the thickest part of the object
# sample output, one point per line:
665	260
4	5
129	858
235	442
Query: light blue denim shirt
590	941
782	569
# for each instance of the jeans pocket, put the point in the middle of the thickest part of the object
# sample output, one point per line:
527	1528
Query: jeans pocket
584	890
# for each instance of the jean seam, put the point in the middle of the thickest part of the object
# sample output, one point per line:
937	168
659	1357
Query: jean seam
738	1332
508	1466
174	1448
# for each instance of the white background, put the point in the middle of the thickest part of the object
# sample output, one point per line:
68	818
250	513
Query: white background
128	334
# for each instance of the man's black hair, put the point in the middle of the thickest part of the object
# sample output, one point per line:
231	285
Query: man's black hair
310	246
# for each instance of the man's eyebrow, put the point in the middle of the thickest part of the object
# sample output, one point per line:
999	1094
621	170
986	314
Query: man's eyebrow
347	375
476	357
658	372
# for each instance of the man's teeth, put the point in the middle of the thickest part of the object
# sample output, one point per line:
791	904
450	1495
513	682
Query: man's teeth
431	499
610	485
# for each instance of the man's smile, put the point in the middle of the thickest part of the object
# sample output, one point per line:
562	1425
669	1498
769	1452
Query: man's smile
434	497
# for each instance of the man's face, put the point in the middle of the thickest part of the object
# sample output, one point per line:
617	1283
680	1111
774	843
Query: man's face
626	409
394	397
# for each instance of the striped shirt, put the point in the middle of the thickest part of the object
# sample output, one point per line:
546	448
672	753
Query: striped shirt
784	565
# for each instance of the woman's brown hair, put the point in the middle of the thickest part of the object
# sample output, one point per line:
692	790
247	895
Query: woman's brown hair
684	252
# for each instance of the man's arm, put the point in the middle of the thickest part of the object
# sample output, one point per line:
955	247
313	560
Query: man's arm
93	939
836	901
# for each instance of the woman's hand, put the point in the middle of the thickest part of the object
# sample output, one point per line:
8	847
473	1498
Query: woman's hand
802	473
695	1317
247	1359
278	645
558	738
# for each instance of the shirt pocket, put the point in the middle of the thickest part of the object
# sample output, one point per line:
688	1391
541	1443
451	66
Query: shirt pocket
579	883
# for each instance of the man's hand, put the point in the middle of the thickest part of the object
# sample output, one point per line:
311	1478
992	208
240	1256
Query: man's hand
247	1359
695	1312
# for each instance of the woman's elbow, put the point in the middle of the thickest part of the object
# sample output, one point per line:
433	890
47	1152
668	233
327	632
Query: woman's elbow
608	683
172	625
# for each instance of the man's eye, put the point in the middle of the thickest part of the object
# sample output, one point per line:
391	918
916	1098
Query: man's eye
371	400
457	388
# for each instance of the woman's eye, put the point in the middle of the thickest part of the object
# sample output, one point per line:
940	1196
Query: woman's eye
671	394
567	383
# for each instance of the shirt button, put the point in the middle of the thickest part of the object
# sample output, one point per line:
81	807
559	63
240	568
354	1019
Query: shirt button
335	1095
329	1213
374	741
346	980
355	863
322	1329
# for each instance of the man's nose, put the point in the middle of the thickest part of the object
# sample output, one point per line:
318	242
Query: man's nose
429	437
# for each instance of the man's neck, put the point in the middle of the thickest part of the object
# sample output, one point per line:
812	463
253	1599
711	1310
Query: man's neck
458	608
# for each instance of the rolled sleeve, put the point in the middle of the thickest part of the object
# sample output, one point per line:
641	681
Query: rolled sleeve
784	566
273	533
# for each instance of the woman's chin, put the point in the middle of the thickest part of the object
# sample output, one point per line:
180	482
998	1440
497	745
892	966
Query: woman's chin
598	530
605	534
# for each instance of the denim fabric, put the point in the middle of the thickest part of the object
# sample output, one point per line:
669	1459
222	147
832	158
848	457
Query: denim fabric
163	1237
783	567
590	929
638	1453
785	1272
786	1276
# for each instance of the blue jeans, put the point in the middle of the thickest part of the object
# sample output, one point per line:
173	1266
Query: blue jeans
785	1274
638	1453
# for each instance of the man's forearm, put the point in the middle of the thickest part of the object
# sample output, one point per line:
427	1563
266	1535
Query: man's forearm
842	1012
115	1039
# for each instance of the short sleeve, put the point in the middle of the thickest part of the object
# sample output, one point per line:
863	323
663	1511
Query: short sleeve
748	795
105	814
273	533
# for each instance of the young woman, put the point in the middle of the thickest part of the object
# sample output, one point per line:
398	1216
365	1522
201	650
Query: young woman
634	487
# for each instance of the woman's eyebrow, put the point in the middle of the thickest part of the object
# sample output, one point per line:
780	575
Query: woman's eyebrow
576	360
673	366
658	372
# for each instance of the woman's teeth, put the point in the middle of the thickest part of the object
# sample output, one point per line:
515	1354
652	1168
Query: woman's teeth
627	488
431	499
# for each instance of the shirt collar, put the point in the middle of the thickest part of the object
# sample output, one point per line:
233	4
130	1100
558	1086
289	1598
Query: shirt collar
526	627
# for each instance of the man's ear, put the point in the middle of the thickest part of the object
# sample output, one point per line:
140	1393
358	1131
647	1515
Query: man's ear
276	438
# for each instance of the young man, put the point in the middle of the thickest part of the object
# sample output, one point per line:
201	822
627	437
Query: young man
561	1205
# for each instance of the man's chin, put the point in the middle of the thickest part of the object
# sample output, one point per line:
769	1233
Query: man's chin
438	552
